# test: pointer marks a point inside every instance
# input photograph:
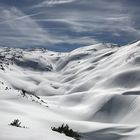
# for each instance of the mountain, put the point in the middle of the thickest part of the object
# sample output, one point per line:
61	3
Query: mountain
94	89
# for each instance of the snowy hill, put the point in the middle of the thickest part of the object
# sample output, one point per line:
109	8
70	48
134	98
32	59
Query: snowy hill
94	89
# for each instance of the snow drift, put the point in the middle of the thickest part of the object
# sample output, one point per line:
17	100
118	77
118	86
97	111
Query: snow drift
94	89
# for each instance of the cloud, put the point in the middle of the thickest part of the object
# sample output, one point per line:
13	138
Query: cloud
96	16
69	22
18	29
49	3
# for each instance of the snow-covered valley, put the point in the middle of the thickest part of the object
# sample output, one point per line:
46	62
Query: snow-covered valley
94	89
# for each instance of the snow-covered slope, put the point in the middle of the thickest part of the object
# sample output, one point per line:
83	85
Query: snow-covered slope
94	89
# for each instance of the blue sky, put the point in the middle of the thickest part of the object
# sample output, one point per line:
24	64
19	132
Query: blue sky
63	25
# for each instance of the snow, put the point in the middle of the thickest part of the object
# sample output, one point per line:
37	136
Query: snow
94	89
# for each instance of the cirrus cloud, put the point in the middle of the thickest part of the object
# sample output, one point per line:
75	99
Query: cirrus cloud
53	23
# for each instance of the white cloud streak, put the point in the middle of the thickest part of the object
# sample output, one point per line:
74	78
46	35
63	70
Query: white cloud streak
18	28
49	3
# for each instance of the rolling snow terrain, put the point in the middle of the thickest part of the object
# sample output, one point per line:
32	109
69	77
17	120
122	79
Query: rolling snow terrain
93	89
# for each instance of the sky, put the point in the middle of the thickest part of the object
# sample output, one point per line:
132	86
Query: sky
63	25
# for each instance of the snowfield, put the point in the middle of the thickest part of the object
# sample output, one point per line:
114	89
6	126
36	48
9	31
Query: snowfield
94	89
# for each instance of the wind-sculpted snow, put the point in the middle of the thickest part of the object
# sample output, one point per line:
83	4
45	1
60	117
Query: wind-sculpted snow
94	89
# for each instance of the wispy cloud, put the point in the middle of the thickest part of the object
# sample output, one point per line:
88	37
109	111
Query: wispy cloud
96	16
49	3
19	29
17	17
70	22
